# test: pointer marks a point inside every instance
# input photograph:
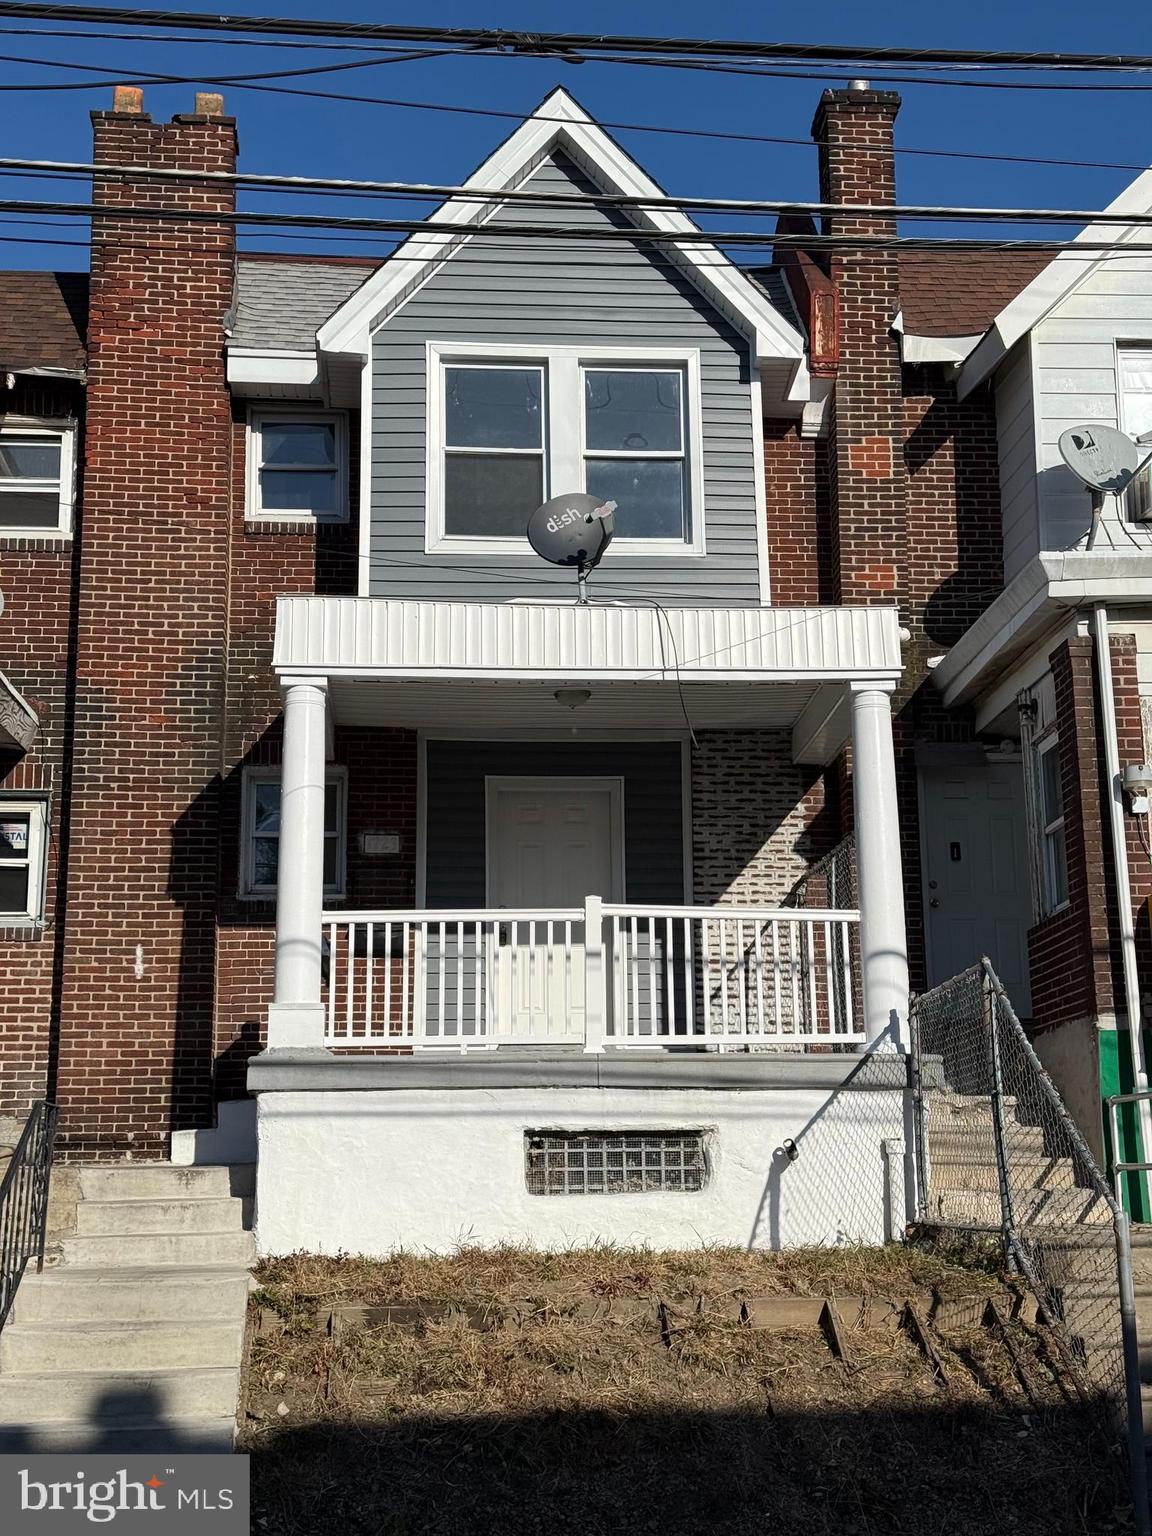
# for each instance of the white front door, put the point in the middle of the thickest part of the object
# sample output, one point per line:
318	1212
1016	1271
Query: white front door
977	895
551	843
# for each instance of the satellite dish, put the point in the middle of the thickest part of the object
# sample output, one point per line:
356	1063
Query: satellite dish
1103	458
572	530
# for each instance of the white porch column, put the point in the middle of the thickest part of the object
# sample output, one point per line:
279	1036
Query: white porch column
883	943
296	1017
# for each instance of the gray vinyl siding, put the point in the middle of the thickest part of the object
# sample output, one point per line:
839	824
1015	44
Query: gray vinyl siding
597	295
1074	369
1017	452
455	840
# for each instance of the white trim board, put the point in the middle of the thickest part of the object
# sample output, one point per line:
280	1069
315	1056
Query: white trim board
408	638
1057	280
559	122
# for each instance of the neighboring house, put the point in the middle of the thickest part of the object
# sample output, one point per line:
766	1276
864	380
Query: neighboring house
324	787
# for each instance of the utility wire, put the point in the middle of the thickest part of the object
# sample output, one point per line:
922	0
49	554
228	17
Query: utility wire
759	207
113	213
570	42
656	128
247	81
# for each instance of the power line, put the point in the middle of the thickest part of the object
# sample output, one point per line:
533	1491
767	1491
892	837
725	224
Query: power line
572	42
619	127
113	213
482	196
247	81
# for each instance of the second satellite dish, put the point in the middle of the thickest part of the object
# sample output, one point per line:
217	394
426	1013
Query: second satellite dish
1103	458
572	530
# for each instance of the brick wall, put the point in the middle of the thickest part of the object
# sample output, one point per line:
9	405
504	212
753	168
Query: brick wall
139	945
866	472
758	818
36	633
1069	952
799	516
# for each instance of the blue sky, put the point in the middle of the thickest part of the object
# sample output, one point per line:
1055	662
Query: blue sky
307	137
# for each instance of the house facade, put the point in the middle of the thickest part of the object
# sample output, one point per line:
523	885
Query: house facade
339	829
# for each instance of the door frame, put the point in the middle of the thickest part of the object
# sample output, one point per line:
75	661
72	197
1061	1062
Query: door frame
541	783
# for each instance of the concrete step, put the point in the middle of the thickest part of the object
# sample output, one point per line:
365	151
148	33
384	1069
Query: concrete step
105	1218
1058	1207
145	1249
130	1295
950	1171
180	1436
35	1348
163	1181
103	1398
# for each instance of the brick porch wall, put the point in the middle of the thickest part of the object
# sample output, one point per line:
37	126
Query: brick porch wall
758	818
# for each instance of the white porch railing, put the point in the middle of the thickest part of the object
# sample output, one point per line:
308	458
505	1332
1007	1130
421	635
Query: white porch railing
595	976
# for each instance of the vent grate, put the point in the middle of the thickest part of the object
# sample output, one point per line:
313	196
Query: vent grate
614	1162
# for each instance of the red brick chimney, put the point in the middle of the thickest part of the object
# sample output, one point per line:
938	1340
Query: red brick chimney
135	1028
853	129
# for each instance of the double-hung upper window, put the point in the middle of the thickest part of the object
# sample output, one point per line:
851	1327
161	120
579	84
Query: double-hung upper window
298	466
1135	366
35	478
1050	825
510	428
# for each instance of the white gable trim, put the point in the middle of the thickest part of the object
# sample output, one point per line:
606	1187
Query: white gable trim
1058	279
733	293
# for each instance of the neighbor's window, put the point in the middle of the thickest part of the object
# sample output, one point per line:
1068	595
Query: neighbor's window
494	471
1136	418
22	824
35	479
298	466
507	432
634	448
260	818
1050	824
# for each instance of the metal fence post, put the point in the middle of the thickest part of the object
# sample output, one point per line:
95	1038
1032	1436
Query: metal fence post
1138	1466
1007	1215
919	1113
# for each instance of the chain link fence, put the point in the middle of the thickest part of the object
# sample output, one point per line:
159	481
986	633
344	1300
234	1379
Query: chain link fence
997	1151
830	883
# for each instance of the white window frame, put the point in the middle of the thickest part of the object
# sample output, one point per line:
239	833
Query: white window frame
249	890
1138	497
1046	831
63	432
564	435
257	417
36	809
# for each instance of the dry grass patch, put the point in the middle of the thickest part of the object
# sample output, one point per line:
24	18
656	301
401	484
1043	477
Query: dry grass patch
533	1409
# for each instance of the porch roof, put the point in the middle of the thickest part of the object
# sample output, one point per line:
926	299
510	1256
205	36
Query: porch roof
497	667
566	643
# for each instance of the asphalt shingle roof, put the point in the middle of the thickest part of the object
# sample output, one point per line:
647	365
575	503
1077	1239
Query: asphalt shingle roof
43	319
960	293
282	302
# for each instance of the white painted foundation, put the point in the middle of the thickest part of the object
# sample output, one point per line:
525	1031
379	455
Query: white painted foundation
371	1172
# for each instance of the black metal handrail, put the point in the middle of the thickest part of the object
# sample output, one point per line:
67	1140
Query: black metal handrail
24	1202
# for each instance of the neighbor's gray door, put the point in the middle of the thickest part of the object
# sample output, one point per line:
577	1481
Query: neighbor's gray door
978	899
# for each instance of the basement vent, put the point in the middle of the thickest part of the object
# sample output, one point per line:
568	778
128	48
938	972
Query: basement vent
614	1162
